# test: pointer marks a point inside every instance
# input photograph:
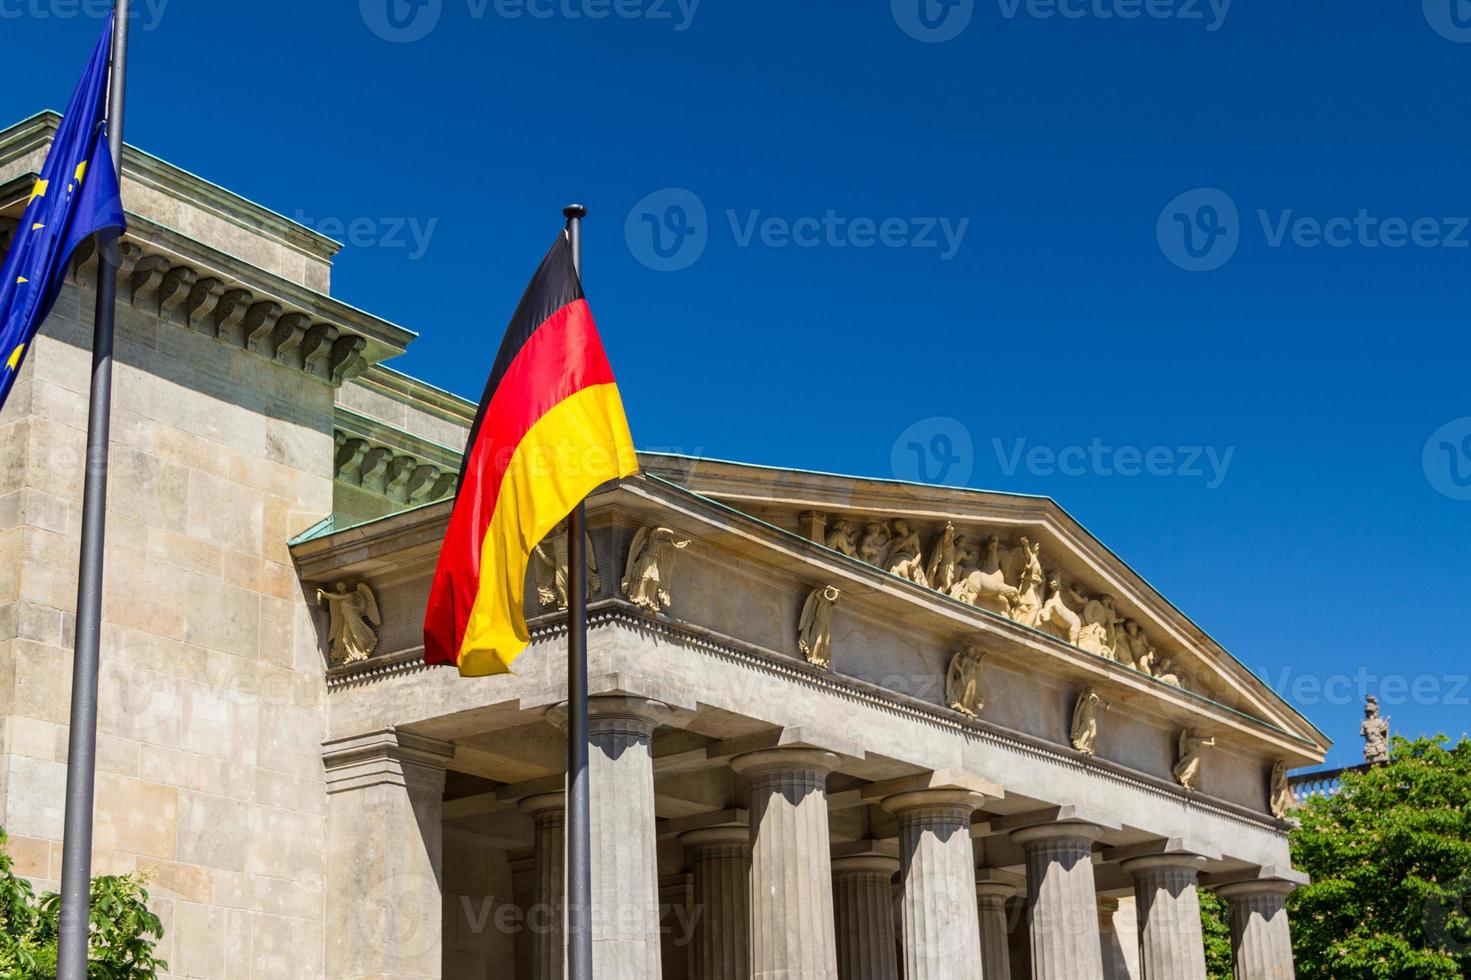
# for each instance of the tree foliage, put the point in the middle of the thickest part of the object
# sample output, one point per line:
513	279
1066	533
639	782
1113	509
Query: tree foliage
1215	921
1390	858
124	932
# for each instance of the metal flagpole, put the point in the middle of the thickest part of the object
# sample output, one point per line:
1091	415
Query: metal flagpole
579	810
81	759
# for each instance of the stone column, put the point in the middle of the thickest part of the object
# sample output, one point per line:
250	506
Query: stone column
991	898
1062	908
937	870
720	860
1261	940
863	911
625	870
548	917
385	814
1171	945
791	873
1114	965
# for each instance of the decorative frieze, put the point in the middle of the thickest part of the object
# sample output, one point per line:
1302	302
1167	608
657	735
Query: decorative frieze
354	613
1003	576
650	568
815	629
964	691
1190	758
1084	735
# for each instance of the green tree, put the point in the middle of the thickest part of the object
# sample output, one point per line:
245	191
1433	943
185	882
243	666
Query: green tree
1215	921
124	932
1390	858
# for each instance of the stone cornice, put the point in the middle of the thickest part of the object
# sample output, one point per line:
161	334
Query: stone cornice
378	458
420	395
35	134
201	289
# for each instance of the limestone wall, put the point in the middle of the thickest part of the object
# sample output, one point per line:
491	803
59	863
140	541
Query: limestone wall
212	700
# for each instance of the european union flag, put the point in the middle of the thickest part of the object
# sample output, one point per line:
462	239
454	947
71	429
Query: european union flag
76	197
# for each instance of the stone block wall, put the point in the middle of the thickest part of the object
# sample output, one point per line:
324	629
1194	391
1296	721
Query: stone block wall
212	698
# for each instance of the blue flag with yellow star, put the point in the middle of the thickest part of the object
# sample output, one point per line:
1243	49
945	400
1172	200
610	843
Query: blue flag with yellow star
76	197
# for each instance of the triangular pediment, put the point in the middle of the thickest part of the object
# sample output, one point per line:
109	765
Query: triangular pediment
1019	557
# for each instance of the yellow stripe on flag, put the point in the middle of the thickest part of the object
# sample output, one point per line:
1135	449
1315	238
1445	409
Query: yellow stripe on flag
580	444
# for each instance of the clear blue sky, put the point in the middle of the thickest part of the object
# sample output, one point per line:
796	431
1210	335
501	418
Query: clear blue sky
1062	311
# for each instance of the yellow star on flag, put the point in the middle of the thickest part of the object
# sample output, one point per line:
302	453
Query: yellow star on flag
15	357
39	190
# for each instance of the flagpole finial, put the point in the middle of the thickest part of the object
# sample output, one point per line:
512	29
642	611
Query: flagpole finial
574	211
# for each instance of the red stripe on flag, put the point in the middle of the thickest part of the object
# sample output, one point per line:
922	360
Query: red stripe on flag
563	356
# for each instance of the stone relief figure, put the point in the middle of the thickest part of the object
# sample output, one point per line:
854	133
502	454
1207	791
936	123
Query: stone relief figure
906	558
1056	618
944	567
840	538
1028	604
815	631
963	690
354	613
1105	626
874	547
1132	648
988	590
1191	748
1085	721
1282	800
549	562
650	568
967	557
1169	673
991	561
1376	733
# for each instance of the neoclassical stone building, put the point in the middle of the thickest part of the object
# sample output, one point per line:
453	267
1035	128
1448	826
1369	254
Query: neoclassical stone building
842	727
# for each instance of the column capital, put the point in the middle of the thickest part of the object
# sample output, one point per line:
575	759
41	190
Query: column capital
941	788
543	803
1142	866
1264	880
865	857
726	835
609	710
998	886
792	759
1069	830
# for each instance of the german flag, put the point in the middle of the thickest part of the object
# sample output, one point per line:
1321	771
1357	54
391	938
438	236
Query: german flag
549	431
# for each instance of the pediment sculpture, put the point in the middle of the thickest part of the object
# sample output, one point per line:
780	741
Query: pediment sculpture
1009	579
